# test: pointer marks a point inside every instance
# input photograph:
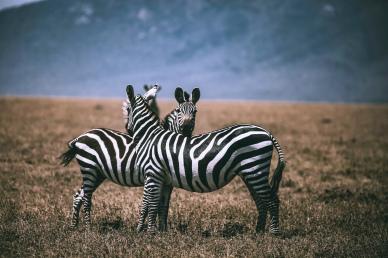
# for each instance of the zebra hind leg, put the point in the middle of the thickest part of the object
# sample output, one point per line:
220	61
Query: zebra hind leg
77	202
262	219
265	197
90	184
271	204
87	203
273	207
260	205
163	208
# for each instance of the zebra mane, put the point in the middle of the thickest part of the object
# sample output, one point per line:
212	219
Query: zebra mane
149	97
164	122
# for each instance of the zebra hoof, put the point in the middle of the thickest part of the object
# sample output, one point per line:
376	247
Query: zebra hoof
276	233
163	229
88	225
140	229
74	226
152	230
260	229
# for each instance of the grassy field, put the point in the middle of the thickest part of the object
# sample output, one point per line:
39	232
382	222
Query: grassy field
334	193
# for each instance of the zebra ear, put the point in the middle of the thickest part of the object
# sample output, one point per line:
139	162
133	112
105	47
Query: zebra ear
187	96
179	95
146	87
195	95
131	94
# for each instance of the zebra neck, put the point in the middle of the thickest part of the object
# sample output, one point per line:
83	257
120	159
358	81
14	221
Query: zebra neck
145	122
168	122
140	136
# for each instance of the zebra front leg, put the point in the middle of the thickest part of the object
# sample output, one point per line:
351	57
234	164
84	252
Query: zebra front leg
163	207
153	206
143	214
77	202
144	207
151	199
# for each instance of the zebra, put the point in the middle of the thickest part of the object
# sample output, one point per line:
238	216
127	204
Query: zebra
182	118
108	154
152	102
204	163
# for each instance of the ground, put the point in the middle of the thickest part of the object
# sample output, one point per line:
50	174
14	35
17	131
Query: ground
334	194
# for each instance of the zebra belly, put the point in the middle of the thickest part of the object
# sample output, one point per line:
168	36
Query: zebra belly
195	184
130	177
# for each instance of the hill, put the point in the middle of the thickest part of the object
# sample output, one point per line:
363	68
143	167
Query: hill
278	50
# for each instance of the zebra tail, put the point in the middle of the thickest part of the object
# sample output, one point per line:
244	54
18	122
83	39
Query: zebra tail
277	176
68	155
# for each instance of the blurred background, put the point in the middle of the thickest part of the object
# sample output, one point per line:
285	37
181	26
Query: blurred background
292	50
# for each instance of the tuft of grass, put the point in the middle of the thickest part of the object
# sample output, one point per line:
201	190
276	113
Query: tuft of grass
334	200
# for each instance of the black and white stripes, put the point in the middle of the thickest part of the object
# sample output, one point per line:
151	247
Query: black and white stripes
109	154
204	163
164	155
182	117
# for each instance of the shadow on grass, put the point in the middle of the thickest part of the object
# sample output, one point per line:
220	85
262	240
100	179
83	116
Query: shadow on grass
343	194
106	225
233	229
8	218
292	233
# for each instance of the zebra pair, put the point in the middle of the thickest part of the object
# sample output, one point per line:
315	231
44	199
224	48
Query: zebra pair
108	154
203	163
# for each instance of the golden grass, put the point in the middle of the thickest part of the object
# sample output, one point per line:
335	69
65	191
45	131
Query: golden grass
334	194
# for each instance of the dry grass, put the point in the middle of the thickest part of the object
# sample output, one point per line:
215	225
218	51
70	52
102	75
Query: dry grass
334	192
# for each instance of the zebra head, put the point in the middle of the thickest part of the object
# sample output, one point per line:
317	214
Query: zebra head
183	121
149	97
152	102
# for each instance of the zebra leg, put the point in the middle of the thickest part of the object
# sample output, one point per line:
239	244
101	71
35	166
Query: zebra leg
143	214
271	203
153	205
163	207
77	202
91	182
87	202
266	199
273	207
262	219
260	205
143	208
151	199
